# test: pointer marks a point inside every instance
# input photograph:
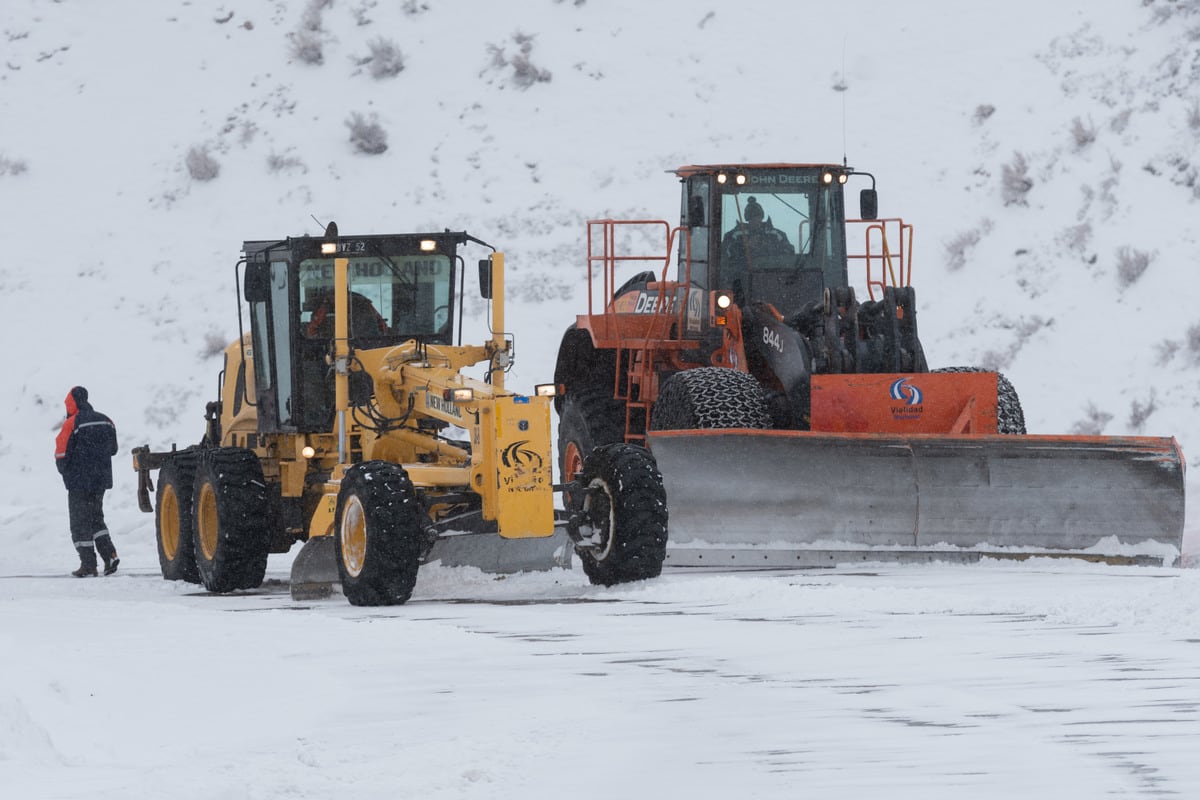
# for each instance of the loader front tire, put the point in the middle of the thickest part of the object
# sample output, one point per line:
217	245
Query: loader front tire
1010	417
708	398
173	518
620	523
230	520
377	534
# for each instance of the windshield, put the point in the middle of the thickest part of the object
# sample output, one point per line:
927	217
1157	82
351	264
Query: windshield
769	228
781	237
393	298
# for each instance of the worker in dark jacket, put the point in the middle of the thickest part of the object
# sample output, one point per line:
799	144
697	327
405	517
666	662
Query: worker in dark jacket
85	447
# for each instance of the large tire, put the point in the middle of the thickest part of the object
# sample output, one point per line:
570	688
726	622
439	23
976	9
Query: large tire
1010	417
622	516
590	417
378	536
173	517
710	397
230	520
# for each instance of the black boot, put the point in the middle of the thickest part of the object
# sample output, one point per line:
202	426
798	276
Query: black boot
107	551
87	563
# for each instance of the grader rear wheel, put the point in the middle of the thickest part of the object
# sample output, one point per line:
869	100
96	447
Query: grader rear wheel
230	527
173	518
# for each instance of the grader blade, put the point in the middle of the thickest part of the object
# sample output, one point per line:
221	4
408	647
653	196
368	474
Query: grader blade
775	498
315	571
491	553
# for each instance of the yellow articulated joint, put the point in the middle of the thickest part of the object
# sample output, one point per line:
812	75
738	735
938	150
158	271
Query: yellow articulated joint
523	470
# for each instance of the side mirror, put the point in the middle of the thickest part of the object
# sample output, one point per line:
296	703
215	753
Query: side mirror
485	278
258	283
868	204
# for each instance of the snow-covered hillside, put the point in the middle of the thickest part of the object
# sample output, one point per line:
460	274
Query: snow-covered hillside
1046	152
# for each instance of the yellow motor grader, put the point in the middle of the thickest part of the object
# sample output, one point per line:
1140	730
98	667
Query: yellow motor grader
345	422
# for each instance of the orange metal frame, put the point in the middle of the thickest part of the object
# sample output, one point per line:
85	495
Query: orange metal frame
895	267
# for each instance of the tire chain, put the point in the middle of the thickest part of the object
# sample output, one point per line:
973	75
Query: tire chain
1010	417
719	398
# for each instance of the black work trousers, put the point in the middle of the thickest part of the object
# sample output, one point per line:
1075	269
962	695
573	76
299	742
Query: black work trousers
88	531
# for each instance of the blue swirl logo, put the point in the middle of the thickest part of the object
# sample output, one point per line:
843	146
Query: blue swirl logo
906	392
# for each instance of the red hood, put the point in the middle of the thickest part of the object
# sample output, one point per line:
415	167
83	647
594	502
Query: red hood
72	409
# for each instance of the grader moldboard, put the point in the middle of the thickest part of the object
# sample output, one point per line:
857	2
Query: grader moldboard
345	422
797	425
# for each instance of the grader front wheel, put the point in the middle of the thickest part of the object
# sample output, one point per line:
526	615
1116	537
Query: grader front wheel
378	534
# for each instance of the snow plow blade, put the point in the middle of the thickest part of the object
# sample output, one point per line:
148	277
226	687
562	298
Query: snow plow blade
315	571
752	498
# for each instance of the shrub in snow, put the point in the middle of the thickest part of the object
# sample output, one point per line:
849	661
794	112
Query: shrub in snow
1139	412
524	72
307	44
367	135
958	247
983	112
385	59
1015	182
12	166
1077	237
1192	342
277	163
1193	117
214	345
1130	265
1165	351
201	165
1093	424
1082	134
307	47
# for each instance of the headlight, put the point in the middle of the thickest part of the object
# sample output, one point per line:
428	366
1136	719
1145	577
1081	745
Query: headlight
724	300
459	395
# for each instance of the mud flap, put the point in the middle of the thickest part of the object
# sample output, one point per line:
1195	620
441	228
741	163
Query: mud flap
843	494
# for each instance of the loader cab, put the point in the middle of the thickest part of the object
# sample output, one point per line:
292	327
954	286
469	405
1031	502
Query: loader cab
400	288
770	232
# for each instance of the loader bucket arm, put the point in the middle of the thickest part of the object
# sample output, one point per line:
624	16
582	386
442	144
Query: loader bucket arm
880	495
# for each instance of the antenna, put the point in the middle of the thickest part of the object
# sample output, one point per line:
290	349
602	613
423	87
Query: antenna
845	88
322	224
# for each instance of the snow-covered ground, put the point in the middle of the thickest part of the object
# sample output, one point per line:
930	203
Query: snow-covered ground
518	121
1039	680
